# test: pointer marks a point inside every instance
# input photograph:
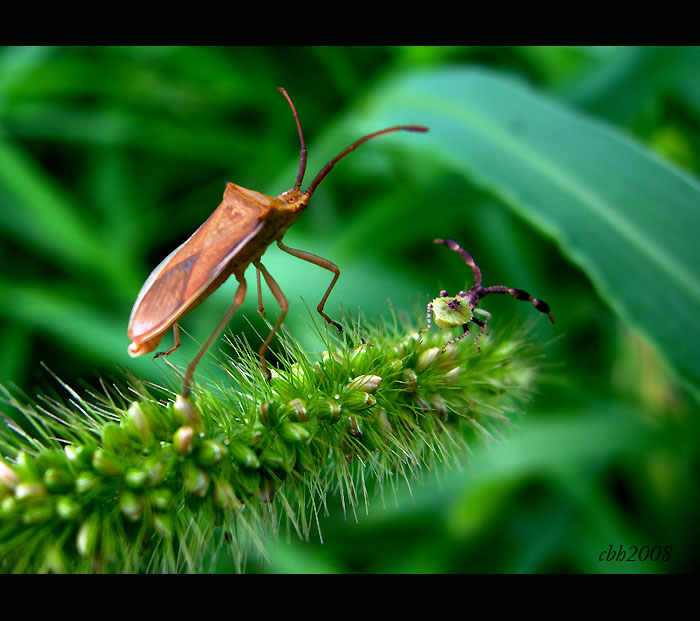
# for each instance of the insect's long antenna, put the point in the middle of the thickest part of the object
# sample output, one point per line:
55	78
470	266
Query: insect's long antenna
302	157
326	169
468	259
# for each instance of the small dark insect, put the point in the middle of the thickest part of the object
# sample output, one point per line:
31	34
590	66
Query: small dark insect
457	311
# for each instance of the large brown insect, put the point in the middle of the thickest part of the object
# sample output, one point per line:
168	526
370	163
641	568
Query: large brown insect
234	236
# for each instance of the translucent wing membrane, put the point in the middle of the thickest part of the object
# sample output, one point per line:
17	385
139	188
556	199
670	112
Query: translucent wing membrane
201	263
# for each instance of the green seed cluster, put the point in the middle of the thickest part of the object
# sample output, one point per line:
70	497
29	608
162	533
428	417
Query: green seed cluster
146	486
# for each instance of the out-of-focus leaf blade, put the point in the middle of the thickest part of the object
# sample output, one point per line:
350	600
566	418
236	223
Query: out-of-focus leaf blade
65	318
629	219
36	211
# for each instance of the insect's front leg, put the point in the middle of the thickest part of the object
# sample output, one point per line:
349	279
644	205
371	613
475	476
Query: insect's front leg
176	337
465	329
429	317
321	262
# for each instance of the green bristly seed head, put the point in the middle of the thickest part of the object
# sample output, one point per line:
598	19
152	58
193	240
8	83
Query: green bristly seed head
110	484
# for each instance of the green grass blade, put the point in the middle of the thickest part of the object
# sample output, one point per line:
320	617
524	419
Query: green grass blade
40	214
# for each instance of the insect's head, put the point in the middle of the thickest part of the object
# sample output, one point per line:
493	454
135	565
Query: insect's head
298	199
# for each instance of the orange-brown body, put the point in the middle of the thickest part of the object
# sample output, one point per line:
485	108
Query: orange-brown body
235	235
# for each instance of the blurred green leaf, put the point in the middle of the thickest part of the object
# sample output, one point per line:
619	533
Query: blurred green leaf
629	219
43	216
64	316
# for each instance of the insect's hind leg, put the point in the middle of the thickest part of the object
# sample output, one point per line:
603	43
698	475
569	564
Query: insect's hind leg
284	305
481	324
321	262
237	301
176	337
261	310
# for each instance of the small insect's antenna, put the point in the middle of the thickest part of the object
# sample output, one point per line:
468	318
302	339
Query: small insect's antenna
302	157
327	168
468	259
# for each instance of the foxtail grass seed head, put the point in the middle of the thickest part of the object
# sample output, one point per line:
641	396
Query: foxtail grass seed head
210	453
183	440
296	410
58	480
8	478
187	412
30	490
366	383
358	400
67	508
87	534
140	420
426	358
195	480
163	523
109	485
106	464
453	375
131	505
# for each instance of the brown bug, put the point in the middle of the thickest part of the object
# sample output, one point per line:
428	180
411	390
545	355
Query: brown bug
234	236
457	311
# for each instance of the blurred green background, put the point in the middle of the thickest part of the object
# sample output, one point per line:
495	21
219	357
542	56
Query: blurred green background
570	172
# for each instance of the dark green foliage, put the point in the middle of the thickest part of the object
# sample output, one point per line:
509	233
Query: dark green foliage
580	184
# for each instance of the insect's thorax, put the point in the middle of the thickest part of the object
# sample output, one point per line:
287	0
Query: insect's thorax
288	207
248	224
276	215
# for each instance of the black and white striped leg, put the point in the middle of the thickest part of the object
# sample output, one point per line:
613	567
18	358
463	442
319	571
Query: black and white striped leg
429	317
481	324
465	327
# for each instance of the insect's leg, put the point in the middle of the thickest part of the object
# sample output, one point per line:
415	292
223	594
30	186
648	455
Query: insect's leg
321	262
282	301
481	324
176	337
261	310
519	294
237	301
430	310
465	329
468	259
483	313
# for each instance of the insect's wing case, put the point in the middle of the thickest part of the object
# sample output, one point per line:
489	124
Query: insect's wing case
193	270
